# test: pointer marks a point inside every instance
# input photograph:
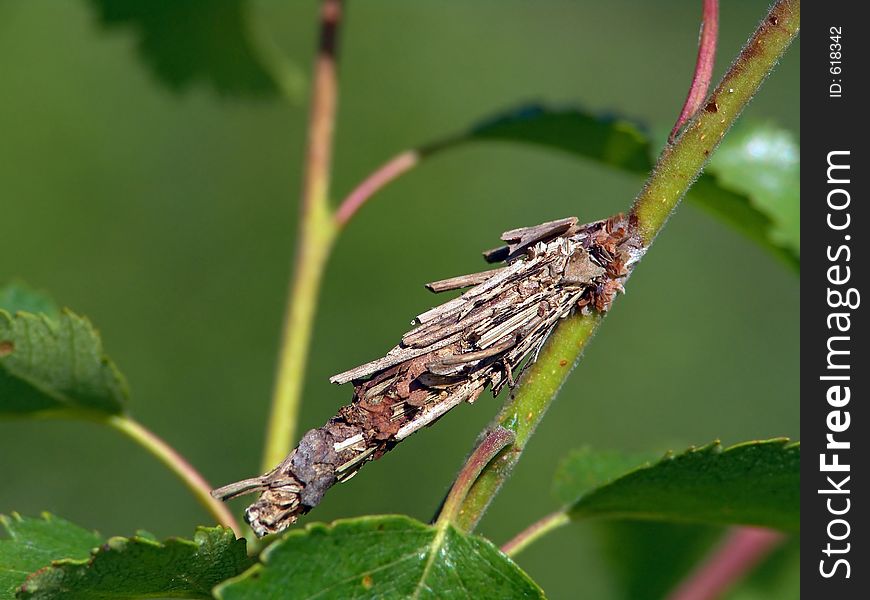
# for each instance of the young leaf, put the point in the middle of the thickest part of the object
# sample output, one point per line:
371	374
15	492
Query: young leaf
193	40
34	543
18	296
754	483
381	557
763	163
140	567
56	365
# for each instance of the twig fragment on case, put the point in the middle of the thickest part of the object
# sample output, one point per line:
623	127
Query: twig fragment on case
483	338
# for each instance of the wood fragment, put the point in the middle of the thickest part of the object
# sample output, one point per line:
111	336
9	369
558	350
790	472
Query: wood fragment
482	339
394	357
524	237
520	239
469	357
460	282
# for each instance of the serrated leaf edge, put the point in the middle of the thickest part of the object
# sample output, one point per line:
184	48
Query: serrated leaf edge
714	447
121	543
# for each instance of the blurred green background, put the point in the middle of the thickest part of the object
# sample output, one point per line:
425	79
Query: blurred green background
169	219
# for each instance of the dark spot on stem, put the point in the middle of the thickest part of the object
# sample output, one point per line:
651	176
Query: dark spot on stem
712	107
773	20
7	347
563	362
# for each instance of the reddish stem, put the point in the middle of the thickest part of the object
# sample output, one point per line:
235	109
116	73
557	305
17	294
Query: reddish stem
703	66
324	97
738	553
314	240
171	458
374	182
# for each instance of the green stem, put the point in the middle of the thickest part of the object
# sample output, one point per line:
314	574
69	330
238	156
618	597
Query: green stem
316	234
175	463
534	532
315	242
677	168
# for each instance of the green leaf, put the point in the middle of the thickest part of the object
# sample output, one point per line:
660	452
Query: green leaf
34	543
647	558
18	296
613	141
193	40
56	365
763	163
764	206
140	567
381	557
754	483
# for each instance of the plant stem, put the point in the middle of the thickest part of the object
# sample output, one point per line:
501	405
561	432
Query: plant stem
677	168
316	233
495	441
535	531
681	163
177	464
374	182
703	65
738	553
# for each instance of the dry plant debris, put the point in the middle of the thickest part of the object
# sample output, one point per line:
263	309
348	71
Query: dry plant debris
484	337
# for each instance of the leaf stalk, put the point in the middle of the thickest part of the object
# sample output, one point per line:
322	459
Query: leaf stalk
169	457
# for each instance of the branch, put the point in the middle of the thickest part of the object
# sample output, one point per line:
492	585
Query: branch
178	465
315	234
703	65
677	168
740	551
